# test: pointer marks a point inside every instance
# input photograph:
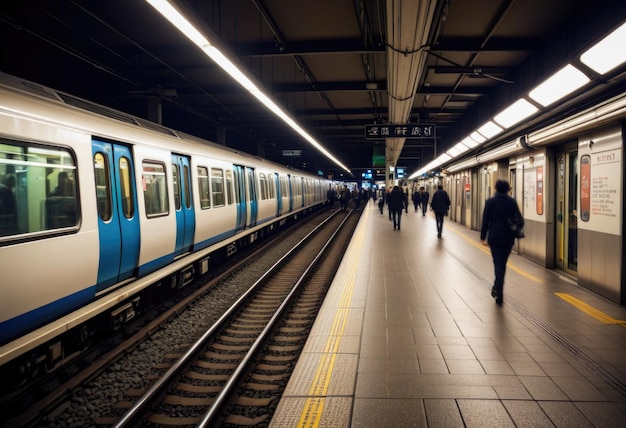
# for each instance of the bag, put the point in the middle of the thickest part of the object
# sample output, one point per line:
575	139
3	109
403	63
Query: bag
516	226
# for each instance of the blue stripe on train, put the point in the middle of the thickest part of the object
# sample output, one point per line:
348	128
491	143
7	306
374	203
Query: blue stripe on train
25	323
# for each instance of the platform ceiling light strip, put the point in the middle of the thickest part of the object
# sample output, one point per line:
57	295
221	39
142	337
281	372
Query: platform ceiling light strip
562	83
608	53
515	113
170	13
489	130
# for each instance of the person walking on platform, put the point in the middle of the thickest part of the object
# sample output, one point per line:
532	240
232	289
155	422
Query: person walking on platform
396	205
416	200
405	197
381	203
424	200
498	234
440	205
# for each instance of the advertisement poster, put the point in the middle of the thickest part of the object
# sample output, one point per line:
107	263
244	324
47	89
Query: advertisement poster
600	198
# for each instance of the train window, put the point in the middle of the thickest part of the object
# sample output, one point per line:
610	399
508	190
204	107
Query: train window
237	183
229	186
103	186
263	186
155	189
176	180
27	174
128	206
271	191
217	187
187	187
203	187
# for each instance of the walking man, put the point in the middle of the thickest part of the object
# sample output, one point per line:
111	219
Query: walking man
440	205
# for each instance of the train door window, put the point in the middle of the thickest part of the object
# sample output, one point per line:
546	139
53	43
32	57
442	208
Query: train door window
203	187
187	187
283	186
217	187
271	192
27	174
155	189
229	186
128	207
176	180
103	186
573	211
263	186
237	187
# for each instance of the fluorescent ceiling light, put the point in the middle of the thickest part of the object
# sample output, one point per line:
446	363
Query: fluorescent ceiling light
479	138
172	14
454	152
608	53
470	142
563	82
515	113
444	157
458	149
489	130
462	148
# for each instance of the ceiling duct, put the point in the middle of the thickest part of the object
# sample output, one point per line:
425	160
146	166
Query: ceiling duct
513	147
408	29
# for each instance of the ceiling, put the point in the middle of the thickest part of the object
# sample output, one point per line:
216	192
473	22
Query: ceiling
328	63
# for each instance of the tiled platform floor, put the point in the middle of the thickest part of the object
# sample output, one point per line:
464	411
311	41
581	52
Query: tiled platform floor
410	336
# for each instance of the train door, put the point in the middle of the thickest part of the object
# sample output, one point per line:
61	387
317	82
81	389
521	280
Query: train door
567	211
118	222
240	197
251	191
279	196
185	216
290	192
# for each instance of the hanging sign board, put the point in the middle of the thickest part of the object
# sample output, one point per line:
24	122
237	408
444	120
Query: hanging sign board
292	152
378	132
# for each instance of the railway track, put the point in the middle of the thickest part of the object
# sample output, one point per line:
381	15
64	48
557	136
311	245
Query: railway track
234	374
73	389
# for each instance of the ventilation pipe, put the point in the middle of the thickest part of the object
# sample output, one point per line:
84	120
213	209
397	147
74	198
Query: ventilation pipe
408	28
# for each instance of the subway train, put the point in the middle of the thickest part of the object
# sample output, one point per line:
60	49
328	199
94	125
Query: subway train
568	179
98	207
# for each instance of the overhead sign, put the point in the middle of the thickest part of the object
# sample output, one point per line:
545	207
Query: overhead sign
422	130
292	152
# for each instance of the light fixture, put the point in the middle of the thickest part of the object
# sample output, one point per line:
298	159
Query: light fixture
462	148
177	19
444	157
454	152
479	138
470	142
563	82
489	130
515	113
608	53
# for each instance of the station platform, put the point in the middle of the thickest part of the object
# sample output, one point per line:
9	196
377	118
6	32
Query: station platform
409	336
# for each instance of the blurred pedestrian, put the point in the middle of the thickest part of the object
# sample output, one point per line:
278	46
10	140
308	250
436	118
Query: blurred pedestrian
440	205
396	205
424	200
497	231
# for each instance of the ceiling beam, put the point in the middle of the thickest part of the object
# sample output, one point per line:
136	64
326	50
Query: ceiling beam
306	47
478	44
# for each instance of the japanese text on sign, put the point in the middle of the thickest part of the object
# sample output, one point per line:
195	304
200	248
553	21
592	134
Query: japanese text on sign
377	132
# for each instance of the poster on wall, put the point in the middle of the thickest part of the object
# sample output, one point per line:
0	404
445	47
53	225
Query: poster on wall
530	194
600	199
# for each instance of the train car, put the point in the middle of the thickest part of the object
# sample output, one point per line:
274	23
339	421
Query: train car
98	206
568	178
